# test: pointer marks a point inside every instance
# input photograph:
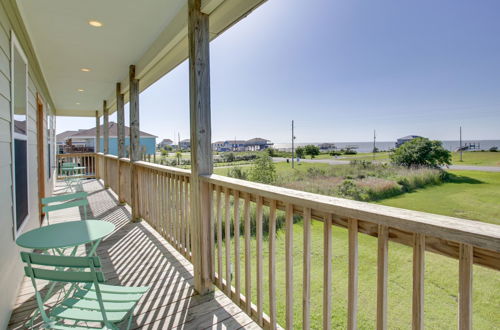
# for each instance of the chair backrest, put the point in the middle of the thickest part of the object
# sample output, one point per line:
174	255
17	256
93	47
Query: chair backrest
75	200
66	269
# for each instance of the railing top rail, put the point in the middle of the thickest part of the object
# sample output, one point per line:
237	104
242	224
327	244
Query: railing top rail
76	154
110	156
479	234
163	168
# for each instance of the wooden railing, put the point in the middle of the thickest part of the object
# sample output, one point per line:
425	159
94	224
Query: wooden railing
470	242
244	212
87	160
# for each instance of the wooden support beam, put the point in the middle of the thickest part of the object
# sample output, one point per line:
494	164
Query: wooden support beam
201	149
105	129
97	132
120	113
134	141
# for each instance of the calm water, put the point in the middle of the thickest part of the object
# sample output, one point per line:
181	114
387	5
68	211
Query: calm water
368	146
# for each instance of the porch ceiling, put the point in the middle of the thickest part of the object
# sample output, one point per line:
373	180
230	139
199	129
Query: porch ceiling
153	36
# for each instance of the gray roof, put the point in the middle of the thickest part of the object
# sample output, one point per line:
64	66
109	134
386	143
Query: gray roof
91	132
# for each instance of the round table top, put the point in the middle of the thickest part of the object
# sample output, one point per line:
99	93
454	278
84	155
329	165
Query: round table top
66	234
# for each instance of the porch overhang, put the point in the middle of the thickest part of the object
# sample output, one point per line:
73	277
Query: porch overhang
153	38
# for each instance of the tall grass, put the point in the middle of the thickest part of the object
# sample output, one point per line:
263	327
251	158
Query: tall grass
362	180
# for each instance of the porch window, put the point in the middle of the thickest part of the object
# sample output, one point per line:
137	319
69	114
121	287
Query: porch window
19	76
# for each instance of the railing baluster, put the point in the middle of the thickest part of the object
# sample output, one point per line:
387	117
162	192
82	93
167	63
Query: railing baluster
418	280
219	235
248	258
289	265
306	289
237	246
466	257
352	305
327	272
188	219
382	266
260	299
168	232
181	217
227	237
272	265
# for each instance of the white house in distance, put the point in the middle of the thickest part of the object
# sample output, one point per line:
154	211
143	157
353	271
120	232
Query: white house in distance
164	143
255	144
405	139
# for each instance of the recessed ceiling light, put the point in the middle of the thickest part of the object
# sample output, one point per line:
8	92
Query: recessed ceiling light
81	90
95	23
77	103
85	69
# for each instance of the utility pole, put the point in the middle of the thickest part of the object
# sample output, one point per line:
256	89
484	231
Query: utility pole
461	144
293	147
374	140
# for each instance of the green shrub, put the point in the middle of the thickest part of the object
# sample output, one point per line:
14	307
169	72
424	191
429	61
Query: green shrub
493	149
263	170
237	173
421	152
311	150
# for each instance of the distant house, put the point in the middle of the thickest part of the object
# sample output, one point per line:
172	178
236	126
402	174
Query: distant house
255	144
164	143
84	139
327	146
185	144
405	139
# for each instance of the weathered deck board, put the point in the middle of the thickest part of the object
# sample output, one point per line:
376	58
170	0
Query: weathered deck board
135	254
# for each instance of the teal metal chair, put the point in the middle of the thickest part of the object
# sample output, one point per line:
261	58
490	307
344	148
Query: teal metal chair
71	200
87	300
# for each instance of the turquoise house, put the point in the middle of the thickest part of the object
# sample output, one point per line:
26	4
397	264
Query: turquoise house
86	138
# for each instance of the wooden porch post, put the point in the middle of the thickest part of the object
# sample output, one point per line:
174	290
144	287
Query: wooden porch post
106	142
97	142
134	141
121	136
201	151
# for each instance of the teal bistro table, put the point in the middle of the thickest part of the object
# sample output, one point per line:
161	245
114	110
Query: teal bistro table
61	236
58	237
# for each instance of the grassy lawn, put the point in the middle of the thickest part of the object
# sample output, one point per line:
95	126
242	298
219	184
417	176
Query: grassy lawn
477	158
471	194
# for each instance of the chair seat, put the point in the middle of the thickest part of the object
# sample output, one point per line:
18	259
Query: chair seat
94	305
108	296
117	289
76	314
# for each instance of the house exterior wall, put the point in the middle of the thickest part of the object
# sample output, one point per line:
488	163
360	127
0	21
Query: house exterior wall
148	142
12	270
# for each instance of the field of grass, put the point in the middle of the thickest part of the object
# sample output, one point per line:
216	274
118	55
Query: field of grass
478	158
470	194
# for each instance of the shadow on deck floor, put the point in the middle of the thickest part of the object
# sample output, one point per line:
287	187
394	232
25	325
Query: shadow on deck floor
136	255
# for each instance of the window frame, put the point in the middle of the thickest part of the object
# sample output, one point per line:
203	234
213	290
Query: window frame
16	46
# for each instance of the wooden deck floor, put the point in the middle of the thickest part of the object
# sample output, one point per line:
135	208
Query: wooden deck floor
135	254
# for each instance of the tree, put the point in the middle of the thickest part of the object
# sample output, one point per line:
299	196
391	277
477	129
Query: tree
421	152
300	152
263	170
311	150
178	155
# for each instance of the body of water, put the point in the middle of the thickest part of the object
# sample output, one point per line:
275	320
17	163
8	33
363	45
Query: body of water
385	146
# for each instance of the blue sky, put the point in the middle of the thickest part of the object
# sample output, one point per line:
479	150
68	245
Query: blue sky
341	69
